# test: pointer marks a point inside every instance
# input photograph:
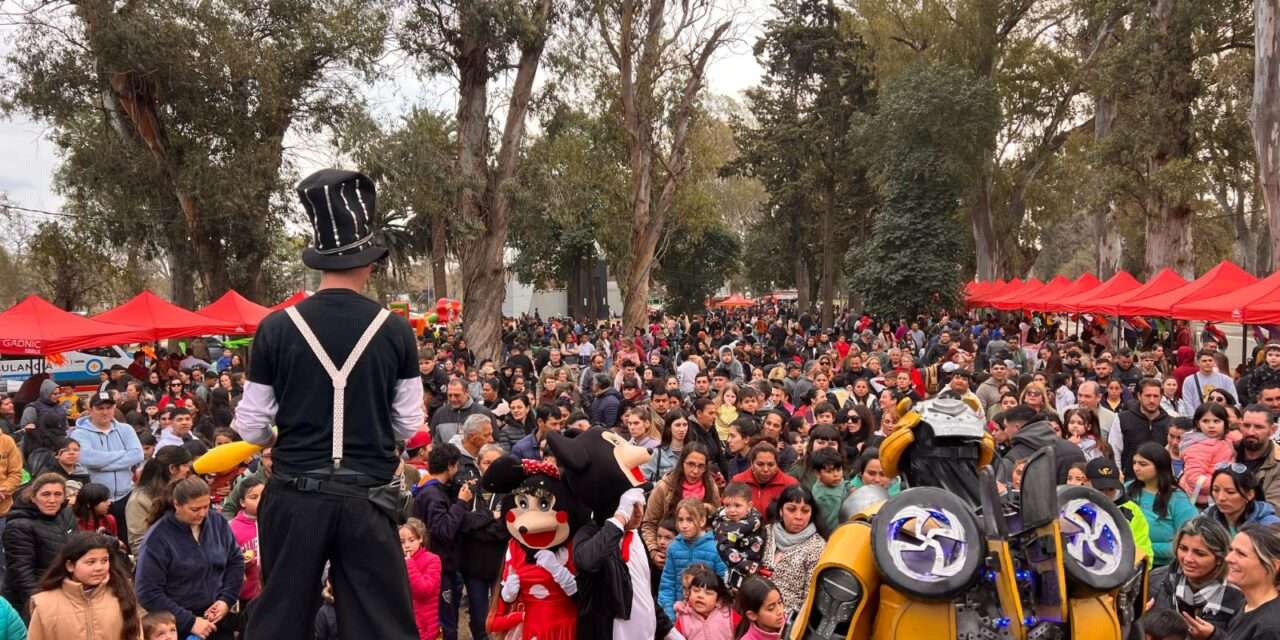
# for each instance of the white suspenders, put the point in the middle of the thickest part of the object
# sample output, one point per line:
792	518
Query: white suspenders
338	376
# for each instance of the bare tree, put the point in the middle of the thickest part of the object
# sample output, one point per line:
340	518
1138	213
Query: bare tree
659	51
1266	113
477	42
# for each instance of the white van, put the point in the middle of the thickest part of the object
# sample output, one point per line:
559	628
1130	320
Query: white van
79	367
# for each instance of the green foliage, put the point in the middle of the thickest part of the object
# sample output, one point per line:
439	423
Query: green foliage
694	267
931	119
71	269
228	79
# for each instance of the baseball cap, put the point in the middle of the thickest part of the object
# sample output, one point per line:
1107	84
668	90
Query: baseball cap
1103	474
418	440
101	398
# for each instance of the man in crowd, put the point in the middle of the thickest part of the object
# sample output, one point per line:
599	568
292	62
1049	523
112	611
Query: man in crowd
1200	384
1089	396
1140	422
109	450
476	432
547	417
989	391
448	419
1257	450
443	510
179	431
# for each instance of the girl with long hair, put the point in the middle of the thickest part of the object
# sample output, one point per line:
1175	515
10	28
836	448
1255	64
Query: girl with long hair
1156	491
675	432
1204	449
85	594
1083	430
166	465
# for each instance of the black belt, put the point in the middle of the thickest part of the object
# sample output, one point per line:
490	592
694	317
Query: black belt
352	486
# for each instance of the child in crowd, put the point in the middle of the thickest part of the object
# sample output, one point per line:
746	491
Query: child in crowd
92	509
706	612
424	578
658	555
760	606
327	615
829	490
1103	475
245	528
1203	450
159	625
740	534
1178	427
1076	475
695	545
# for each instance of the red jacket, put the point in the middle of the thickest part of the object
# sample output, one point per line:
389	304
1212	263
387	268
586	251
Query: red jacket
762	495
424	585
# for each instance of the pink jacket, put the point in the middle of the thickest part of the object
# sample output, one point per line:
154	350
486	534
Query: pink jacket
1199	456
245	529
717	626
424	585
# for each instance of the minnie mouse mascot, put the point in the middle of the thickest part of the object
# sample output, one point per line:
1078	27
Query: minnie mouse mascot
538	581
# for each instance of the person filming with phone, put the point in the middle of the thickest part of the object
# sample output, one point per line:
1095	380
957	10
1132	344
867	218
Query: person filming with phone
1195	584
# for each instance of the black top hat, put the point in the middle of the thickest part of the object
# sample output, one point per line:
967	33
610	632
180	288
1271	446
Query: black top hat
340	205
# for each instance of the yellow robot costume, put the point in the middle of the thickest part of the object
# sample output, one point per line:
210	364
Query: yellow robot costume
953	557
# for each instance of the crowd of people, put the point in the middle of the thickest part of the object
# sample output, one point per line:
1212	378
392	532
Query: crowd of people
759	423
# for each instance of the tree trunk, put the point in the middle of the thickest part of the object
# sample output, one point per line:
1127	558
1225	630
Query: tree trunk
1169	231
800	269
483	266
182	289
439	255
1266	114
986	245
1169	241
827	315
1109	243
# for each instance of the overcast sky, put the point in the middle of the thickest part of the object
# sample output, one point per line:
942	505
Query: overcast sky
28	159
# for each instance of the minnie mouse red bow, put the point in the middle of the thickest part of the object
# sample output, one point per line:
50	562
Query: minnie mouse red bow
535	467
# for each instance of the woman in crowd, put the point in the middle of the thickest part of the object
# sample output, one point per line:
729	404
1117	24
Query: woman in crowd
35	531
1236	501
689	479
641	430
191	565
515	425
1198	575
1253	567
166	465
86	594
794	545
176	395
866	470
675	430
820	437
1114	399
1156	491
763	476
1169	396
1035	396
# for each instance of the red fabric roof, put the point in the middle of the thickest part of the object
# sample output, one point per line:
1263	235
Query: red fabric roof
980	290
1051	299
1233	305
1031	297
161	319
1013	297
35	327
1001	287
1265	310
1118	284
298	296
238	310
1224	277
1165	280
734	300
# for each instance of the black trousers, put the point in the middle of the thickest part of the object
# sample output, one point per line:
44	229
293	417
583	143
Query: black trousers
298	532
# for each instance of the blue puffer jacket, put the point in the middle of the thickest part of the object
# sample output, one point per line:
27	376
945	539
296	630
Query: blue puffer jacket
1260	512
680	555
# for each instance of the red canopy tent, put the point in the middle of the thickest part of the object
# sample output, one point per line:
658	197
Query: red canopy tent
1263	311
160	319
973	297
1000	288
1164	281
1118	284
238	310
1013	298
1224	277
1232	306
1030	298
734	301
34	327
1051	299
298	296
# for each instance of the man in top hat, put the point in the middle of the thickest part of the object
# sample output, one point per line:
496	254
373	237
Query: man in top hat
338	376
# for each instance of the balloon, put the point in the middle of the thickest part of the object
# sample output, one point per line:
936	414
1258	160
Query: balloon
432	318
223	458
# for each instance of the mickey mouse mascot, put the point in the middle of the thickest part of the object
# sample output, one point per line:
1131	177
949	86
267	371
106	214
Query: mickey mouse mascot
538	582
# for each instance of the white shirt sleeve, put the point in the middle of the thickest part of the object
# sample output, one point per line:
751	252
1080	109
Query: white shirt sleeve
256	413
406	409
1115	438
